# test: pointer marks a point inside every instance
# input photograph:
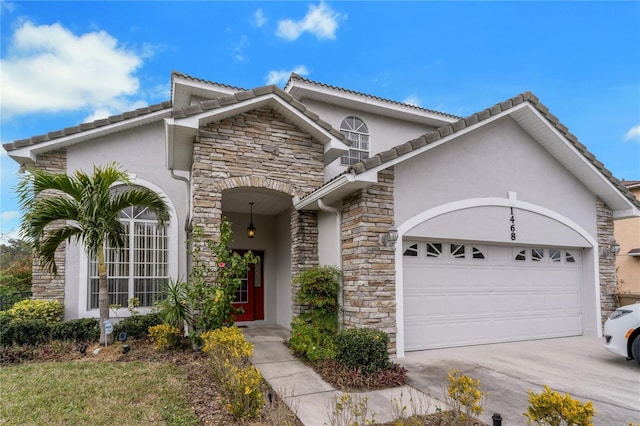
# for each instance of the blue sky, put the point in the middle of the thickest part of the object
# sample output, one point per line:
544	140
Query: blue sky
63	63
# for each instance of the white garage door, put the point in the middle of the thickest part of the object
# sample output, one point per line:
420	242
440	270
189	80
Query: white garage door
458	294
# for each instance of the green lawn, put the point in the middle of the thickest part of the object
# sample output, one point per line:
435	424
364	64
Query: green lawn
95	393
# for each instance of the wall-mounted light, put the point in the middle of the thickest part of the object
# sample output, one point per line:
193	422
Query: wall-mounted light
251	230
610	249
389	238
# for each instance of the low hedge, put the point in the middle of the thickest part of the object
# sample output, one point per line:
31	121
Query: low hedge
34	332
363	348
137	326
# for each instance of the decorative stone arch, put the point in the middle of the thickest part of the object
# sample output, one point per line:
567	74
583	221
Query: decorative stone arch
251	181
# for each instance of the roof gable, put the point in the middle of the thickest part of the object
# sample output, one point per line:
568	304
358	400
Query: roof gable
302	88
182	127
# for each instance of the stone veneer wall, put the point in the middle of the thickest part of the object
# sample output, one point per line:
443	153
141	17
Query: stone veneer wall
45	285
368	266
258	149
607	265
304	248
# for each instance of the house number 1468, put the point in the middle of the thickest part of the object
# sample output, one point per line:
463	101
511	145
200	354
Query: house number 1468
513	226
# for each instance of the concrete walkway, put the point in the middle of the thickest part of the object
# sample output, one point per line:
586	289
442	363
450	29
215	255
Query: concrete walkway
311	398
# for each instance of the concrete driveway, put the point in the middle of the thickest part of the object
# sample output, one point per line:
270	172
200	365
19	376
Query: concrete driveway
579	366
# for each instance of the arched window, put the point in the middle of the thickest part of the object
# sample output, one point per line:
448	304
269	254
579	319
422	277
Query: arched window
141	268
356	131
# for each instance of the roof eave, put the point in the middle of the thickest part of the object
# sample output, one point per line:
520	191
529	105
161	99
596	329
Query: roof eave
333	191
305	90
26	155
184	88
557	144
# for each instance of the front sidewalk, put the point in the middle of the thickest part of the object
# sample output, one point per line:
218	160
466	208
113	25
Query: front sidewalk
311	398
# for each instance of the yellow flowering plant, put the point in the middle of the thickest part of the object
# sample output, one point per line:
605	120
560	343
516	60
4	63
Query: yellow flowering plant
464	396
553	409
164	336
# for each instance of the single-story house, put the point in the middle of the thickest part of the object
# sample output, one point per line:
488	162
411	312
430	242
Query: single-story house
449	231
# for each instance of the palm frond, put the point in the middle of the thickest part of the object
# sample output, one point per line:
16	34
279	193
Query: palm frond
143	197
47	247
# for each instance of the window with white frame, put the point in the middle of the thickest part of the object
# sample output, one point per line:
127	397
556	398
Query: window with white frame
357	132
141	268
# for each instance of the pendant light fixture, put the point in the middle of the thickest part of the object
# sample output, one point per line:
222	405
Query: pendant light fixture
251	230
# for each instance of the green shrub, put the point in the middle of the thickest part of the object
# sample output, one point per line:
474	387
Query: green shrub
137	326
313	331
9	297
551	408
310	342
318	295
23	332
363	348
79	330
49	311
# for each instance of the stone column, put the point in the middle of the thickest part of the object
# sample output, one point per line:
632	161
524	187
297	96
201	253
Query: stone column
45	285
607	264
369	266
304	247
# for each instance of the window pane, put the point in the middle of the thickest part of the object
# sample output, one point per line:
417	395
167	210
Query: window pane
140	268
411	251
356	131
537	255
434	249
457	251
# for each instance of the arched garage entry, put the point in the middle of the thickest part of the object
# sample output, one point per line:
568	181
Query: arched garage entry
468	277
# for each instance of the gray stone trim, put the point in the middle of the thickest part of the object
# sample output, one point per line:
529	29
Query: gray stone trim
45	285
606	264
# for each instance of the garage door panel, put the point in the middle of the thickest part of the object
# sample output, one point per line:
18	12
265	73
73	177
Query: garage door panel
454	302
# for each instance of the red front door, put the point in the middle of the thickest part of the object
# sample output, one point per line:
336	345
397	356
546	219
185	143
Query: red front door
250	294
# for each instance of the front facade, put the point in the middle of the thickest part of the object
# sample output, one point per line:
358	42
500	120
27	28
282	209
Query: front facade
448	231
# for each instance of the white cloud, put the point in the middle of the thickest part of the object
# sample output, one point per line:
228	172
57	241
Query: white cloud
7	6
320	20
281	76
633	133
48	69
240	48
412	100
10	215
259	19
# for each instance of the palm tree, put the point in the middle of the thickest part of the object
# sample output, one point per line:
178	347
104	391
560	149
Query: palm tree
90	210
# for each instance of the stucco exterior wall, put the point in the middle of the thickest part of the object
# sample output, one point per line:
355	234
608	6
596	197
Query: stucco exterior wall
140	152
385	132
491	162
627	234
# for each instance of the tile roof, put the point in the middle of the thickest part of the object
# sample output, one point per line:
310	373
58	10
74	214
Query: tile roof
190	110
473	119
200	80
34	140
296	77
238	97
